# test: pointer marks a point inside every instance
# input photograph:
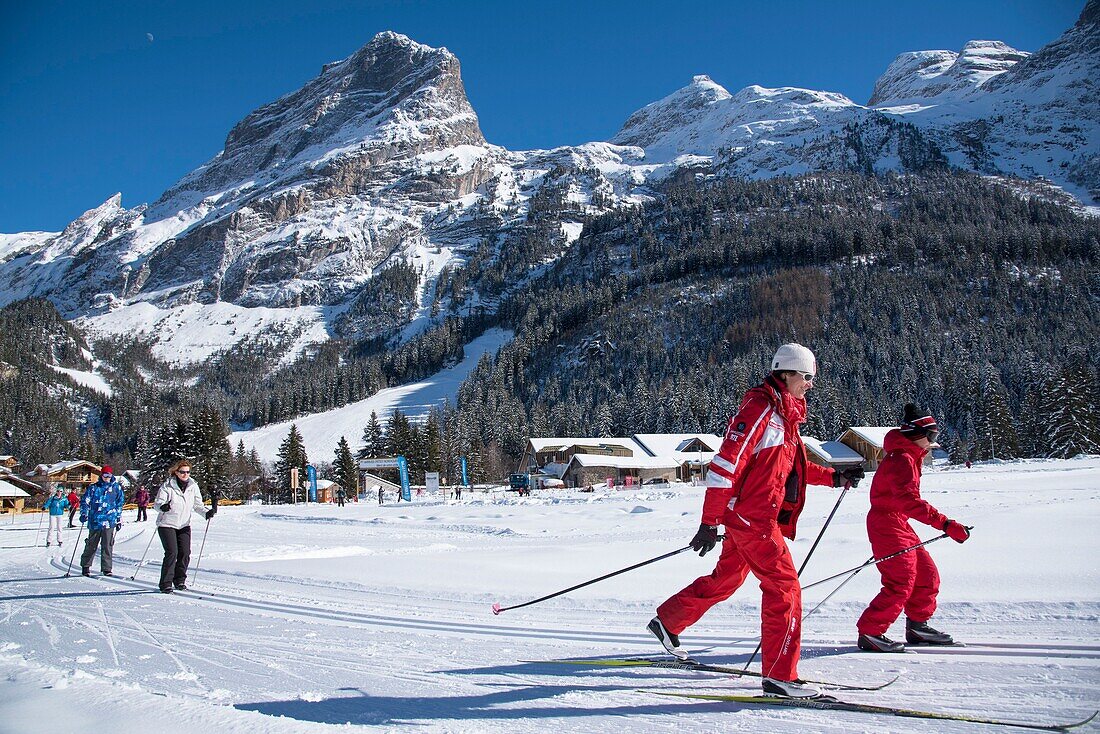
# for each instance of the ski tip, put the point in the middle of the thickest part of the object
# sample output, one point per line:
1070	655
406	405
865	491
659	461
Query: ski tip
496	608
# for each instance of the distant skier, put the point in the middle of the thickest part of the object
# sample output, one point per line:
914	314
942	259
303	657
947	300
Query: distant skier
756	487
101	509
340	495
141	499
381	496
910	581
74	505
56	506
177	500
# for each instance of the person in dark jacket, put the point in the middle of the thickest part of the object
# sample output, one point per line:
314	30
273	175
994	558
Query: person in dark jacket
911	581
101	509
141	499
178	499
756	487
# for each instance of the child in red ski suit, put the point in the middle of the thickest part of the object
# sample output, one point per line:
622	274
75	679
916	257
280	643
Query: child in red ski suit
756	487
910	581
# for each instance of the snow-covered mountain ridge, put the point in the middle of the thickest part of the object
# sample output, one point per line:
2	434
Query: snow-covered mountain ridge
380	159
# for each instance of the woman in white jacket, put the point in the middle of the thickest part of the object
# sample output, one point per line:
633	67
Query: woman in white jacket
177	499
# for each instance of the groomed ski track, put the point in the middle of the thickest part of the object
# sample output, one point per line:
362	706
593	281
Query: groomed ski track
292	625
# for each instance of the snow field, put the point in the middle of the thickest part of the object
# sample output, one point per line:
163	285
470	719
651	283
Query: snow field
313	617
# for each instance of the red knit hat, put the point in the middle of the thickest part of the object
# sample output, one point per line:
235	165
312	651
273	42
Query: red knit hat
106	470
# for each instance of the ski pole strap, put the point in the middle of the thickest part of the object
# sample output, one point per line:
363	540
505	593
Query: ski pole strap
874	561
497	608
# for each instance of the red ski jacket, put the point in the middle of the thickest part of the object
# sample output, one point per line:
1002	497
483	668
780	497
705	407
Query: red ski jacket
760	474
896	486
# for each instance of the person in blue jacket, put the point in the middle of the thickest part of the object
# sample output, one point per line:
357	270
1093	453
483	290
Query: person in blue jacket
101	509
56	506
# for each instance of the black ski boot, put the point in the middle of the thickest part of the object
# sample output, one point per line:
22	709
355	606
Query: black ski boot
919	633
879	643
788	688
670	641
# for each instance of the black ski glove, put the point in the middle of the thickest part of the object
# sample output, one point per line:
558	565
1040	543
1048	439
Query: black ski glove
705	539
211	512
166	507
851	474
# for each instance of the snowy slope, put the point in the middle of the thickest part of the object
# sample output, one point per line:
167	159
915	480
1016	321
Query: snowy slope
322	431
376	619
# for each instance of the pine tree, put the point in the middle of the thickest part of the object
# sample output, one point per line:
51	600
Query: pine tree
372	438
345	470
292	454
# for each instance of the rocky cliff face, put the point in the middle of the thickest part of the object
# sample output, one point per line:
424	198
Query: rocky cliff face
1006	112
380	158
925	76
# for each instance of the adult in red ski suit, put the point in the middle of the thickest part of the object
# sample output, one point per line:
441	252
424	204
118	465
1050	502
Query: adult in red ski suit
756	487
910	581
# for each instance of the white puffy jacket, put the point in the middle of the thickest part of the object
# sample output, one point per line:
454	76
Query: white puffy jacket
183	503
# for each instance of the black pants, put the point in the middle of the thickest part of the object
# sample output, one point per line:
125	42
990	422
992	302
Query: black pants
72	511
142	515
177	554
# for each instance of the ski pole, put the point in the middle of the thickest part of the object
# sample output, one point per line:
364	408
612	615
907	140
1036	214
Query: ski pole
75	546
829	519
874	561
205	532
39	530
497	608
201	546
145	554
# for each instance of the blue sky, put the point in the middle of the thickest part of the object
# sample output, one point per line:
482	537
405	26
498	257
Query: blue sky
89	105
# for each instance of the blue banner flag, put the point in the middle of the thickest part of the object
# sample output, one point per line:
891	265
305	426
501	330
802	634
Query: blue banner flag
465	479
311	475
403	470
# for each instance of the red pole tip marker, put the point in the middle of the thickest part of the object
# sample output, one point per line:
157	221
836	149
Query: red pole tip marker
496	607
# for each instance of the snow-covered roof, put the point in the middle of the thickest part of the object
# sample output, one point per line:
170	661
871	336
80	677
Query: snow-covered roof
325	483
874	435
624	462
543	444
672	445
833	452
45	469
10	490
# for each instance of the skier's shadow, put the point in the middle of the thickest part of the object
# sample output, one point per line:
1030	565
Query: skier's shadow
77	594
37	578
366	709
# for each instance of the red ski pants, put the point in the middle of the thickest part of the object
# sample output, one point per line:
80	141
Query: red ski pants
763	551
910	582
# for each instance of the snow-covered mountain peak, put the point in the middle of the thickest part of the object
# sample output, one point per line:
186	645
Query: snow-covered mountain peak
683	108
923	76
790	97
394	97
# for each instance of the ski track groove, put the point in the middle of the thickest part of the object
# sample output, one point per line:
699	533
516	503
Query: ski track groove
108	634
349	617
140	627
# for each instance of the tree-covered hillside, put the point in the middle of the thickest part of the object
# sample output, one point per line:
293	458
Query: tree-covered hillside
961	294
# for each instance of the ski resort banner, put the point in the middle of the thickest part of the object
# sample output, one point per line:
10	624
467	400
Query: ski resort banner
311	475
431	482
465	478
383	463
403	470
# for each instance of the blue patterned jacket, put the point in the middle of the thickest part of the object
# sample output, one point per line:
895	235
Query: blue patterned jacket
101	505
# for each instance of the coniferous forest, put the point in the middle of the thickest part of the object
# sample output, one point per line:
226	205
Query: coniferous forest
978	299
